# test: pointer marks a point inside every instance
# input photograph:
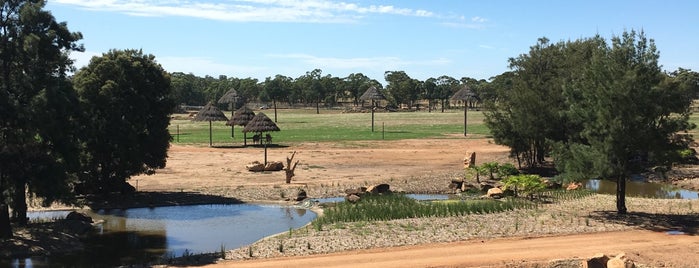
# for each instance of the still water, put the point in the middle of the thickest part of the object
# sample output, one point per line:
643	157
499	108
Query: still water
642	189
144	235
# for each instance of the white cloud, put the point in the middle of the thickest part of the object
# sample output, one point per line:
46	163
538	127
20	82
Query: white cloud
320	11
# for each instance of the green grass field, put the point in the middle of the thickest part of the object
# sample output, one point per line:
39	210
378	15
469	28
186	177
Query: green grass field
303	125
300	125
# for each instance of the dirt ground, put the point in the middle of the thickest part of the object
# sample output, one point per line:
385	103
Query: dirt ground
653	249
193	168
203	169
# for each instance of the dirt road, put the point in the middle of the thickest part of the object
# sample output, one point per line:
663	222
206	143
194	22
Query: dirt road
647	247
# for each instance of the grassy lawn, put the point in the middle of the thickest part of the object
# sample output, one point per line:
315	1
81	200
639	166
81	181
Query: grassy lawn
303	125
299	125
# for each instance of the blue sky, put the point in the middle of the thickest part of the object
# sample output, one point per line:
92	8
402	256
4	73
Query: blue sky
263	38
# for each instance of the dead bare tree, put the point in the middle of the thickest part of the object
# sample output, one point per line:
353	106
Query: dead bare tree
289	169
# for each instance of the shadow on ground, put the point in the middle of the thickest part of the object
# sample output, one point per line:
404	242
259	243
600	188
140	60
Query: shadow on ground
688	224
155	199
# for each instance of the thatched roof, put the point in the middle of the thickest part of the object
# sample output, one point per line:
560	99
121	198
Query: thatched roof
372	94
261	123
210	113
464	93
229	97
242	117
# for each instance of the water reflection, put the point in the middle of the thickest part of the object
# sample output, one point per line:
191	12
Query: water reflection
641	189
145	235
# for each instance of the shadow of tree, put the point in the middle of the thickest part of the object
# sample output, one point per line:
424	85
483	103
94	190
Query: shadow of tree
688	224
155	199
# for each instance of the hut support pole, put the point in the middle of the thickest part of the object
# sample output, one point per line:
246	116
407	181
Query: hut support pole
265	154
373	106
211	141
465	118
232	115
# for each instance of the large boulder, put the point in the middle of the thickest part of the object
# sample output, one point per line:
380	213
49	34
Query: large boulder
379	189
77	216
620	261
356	191
255	166
352	198
470	160
597	261
274	166
574	186
301	195
495	192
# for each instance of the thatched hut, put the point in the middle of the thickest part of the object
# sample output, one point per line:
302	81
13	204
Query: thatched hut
242	117
210	113
230	98
373	94
464	94
260	124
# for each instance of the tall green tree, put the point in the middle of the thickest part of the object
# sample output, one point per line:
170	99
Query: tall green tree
629	115
126	98
277	89
356	85
401	88
36	146
187	90
526	114
446	87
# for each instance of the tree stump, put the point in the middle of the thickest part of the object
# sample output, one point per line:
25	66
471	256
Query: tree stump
289	169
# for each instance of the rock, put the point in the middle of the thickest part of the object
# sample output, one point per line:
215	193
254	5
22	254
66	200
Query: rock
274	166
255	166
574	186
77	216
486	186
495	192
620	261
356	191
551	184
301	195
78	223
353	198
465	187
379	189
597	261
470	160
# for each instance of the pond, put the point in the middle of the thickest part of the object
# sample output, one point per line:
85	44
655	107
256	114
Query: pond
636	188
143	235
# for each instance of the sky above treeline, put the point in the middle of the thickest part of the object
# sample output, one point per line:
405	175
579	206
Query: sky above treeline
263	38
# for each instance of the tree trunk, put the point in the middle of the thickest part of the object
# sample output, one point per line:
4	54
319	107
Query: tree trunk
5	227
621	194
19	207
274	102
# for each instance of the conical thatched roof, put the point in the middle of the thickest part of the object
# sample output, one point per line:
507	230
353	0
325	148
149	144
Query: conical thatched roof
372	94
210	113
242	117
464	93
229	97
261	123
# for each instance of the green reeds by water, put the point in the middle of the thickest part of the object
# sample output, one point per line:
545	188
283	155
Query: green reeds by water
399	206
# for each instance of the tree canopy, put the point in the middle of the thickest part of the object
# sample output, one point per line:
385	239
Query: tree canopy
36	106
601	111
127	97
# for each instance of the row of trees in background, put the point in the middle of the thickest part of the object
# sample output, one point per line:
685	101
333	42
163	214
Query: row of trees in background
602	110
61	136
314	89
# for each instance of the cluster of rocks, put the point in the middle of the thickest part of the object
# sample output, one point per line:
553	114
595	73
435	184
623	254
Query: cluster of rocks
353	195
604	261
257	166
77	223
